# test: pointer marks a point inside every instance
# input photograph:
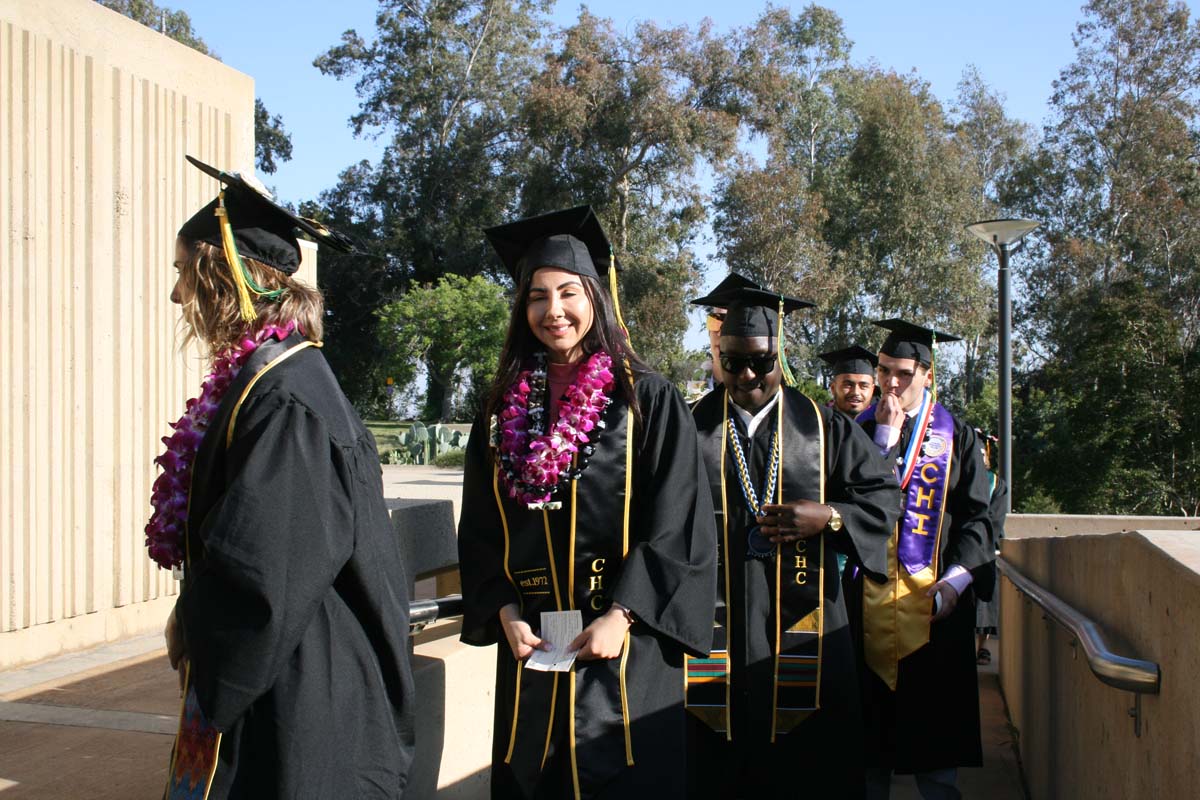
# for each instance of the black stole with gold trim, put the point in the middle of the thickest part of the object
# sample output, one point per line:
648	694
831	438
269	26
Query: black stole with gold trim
796	577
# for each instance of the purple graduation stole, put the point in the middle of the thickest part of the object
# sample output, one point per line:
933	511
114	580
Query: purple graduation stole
896	613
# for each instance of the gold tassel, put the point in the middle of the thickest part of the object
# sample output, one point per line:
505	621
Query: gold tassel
612	289
234	260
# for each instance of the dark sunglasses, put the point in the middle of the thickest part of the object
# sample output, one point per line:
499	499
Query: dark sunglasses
759	365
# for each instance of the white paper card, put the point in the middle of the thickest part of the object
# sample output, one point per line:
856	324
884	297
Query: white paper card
559	628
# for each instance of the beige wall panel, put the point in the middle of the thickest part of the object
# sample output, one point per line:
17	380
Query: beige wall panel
96	115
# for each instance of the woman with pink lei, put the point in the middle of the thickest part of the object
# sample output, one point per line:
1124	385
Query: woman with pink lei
291	628
583	514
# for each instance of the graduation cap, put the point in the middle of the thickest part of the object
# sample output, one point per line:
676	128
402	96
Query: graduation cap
906	340
725	291
246	222
571	240
262	229
751	311
854	360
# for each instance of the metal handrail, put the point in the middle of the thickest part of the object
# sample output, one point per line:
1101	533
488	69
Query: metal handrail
1123	672
425	612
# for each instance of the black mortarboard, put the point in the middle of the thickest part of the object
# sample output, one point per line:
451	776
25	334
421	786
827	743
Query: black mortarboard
906	340
572	240
854	360
755	312
262	229
725	291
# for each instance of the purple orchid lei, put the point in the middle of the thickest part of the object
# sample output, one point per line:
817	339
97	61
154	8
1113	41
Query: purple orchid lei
169	498
533	462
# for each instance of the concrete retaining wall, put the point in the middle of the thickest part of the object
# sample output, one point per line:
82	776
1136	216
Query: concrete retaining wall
1076	735
1024	526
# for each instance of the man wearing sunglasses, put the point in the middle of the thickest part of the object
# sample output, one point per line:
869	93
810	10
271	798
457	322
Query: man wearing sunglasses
774	708
716	300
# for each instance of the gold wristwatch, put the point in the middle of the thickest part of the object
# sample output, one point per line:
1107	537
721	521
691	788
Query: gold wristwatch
835	520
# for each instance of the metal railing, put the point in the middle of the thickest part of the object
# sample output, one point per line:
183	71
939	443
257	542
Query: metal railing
1123	672
426	612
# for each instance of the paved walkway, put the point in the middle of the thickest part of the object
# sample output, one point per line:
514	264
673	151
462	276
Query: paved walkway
105	733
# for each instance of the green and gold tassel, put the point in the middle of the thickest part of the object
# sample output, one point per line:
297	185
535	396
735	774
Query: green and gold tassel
242	280
788	378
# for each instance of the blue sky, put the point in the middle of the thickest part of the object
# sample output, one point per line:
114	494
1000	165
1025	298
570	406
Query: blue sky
1019	53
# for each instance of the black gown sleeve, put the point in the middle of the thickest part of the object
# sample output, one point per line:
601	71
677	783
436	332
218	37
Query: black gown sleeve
972	543
668	579
862	487
485	587
273	545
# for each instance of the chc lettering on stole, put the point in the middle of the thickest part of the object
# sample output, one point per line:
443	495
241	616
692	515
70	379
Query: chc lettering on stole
800	562
596	584
929	476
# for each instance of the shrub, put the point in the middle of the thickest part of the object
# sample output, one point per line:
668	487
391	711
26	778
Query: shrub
451	459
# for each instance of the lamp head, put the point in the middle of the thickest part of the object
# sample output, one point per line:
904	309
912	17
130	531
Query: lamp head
1002	232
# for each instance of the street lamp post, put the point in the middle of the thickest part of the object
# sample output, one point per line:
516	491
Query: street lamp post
1000	234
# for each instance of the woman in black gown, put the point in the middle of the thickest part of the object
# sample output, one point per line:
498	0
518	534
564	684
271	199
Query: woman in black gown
291	627
583	490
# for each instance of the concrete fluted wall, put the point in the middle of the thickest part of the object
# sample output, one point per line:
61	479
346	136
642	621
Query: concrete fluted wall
96	114
1076	736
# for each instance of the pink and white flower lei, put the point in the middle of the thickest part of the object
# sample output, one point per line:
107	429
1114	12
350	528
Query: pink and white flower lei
169	498
533	463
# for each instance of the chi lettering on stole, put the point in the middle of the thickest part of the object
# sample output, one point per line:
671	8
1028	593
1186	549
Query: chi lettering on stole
596	584
929	474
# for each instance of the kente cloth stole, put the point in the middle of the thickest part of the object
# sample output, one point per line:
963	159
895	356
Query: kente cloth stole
896	613
797	577
194	756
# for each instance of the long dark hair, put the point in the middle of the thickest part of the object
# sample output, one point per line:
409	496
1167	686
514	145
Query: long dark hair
605	334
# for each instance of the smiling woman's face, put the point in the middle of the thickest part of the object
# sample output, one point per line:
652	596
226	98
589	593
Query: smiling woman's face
559	313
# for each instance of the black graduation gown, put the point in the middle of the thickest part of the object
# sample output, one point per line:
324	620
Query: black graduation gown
823	754
987	612
294	608
931	721
661	566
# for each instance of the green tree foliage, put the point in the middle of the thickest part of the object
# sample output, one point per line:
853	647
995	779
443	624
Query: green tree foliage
1114	399
993	145
441	81
454	328
1112	300
791	69
355	286
771	218
623	121
867	183
272	142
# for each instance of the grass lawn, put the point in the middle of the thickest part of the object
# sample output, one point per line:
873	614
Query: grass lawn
387	434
